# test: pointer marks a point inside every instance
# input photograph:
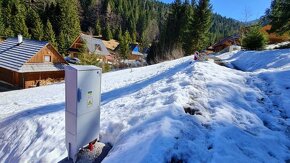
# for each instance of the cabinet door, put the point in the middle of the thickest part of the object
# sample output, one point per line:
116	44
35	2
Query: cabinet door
88	93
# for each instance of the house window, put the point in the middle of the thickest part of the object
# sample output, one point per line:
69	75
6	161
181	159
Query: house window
47	58
98	47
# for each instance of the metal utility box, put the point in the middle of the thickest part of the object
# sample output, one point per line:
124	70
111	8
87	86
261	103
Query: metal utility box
82	111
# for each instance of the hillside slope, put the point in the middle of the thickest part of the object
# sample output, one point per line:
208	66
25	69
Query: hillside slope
142	115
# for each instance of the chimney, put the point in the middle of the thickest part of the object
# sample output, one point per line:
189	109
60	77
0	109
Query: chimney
20	39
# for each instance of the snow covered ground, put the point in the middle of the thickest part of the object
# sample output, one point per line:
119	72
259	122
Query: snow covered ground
236	116
273	46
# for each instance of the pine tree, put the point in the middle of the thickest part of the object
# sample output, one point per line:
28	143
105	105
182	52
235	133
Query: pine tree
34	25
134	36
8	31
53	14
18	20
98	28
62	43
201	25
186	20
6	8
107	34
49	34
19	26
280	16
2	26
171	37
70	23
124	45
119	34
254	39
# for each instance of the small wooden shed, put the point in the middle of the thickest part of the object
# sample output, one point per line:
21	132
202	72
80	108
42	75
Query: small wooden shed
136	54
29	63
226	42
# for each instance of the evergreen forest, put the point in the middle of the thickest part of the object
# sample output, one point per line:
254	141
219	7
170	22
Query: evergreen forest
179	28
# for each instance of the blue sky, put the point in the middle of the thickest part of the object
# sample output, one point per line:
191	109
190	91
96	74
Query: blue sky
237	8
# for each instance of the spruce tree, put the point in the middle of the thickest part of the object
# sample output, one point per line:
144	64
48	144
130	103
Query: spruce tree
19	26
254	39
201	25
18	20
8	31
134	36
34	25
98	28
107	34
53	13
124	46
69	23
49	34
62	43
280	16
186	20
6	9
119	34
171	36
2	26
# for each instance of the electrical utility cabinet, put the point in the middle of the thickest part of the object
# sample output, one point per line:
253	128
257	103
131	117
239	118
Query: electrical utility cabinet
82	111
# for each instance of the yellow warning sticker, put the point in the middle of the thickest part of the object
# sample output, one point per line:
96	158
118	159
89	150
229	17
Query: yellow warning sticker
90	99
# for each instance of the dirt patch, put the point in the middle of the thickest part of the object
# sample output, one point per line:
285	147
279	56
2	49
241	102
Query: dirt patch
192	111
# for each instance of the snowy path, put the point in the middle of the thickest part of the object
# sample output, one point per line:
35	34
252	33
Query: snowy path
234	117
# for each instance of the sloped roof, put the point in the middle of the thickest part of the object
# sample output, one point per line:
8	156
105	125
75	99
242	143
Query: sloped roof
133	46
137	53
231	38
111	44
14	56
91	43
42	67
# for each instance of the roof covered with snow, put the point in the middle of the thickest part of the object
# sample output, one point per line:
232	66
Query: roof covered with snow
14	55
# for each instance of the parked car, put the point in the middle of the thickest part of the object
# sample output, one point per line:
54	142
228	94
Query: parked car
72	60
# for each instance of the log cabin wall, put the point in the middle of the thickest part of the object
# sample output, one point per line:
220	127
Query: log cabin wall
47	51
9	76
134	57
29	80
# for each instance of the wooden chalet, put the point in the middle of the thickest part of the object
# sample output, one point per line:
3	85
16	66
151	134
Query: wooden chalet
136	54
29	63
92	45
226	42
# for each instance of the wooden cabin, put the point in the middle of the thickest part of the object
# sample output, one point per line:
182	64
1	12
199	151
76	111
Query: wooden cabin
136	54
29	63
226	42
90	44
